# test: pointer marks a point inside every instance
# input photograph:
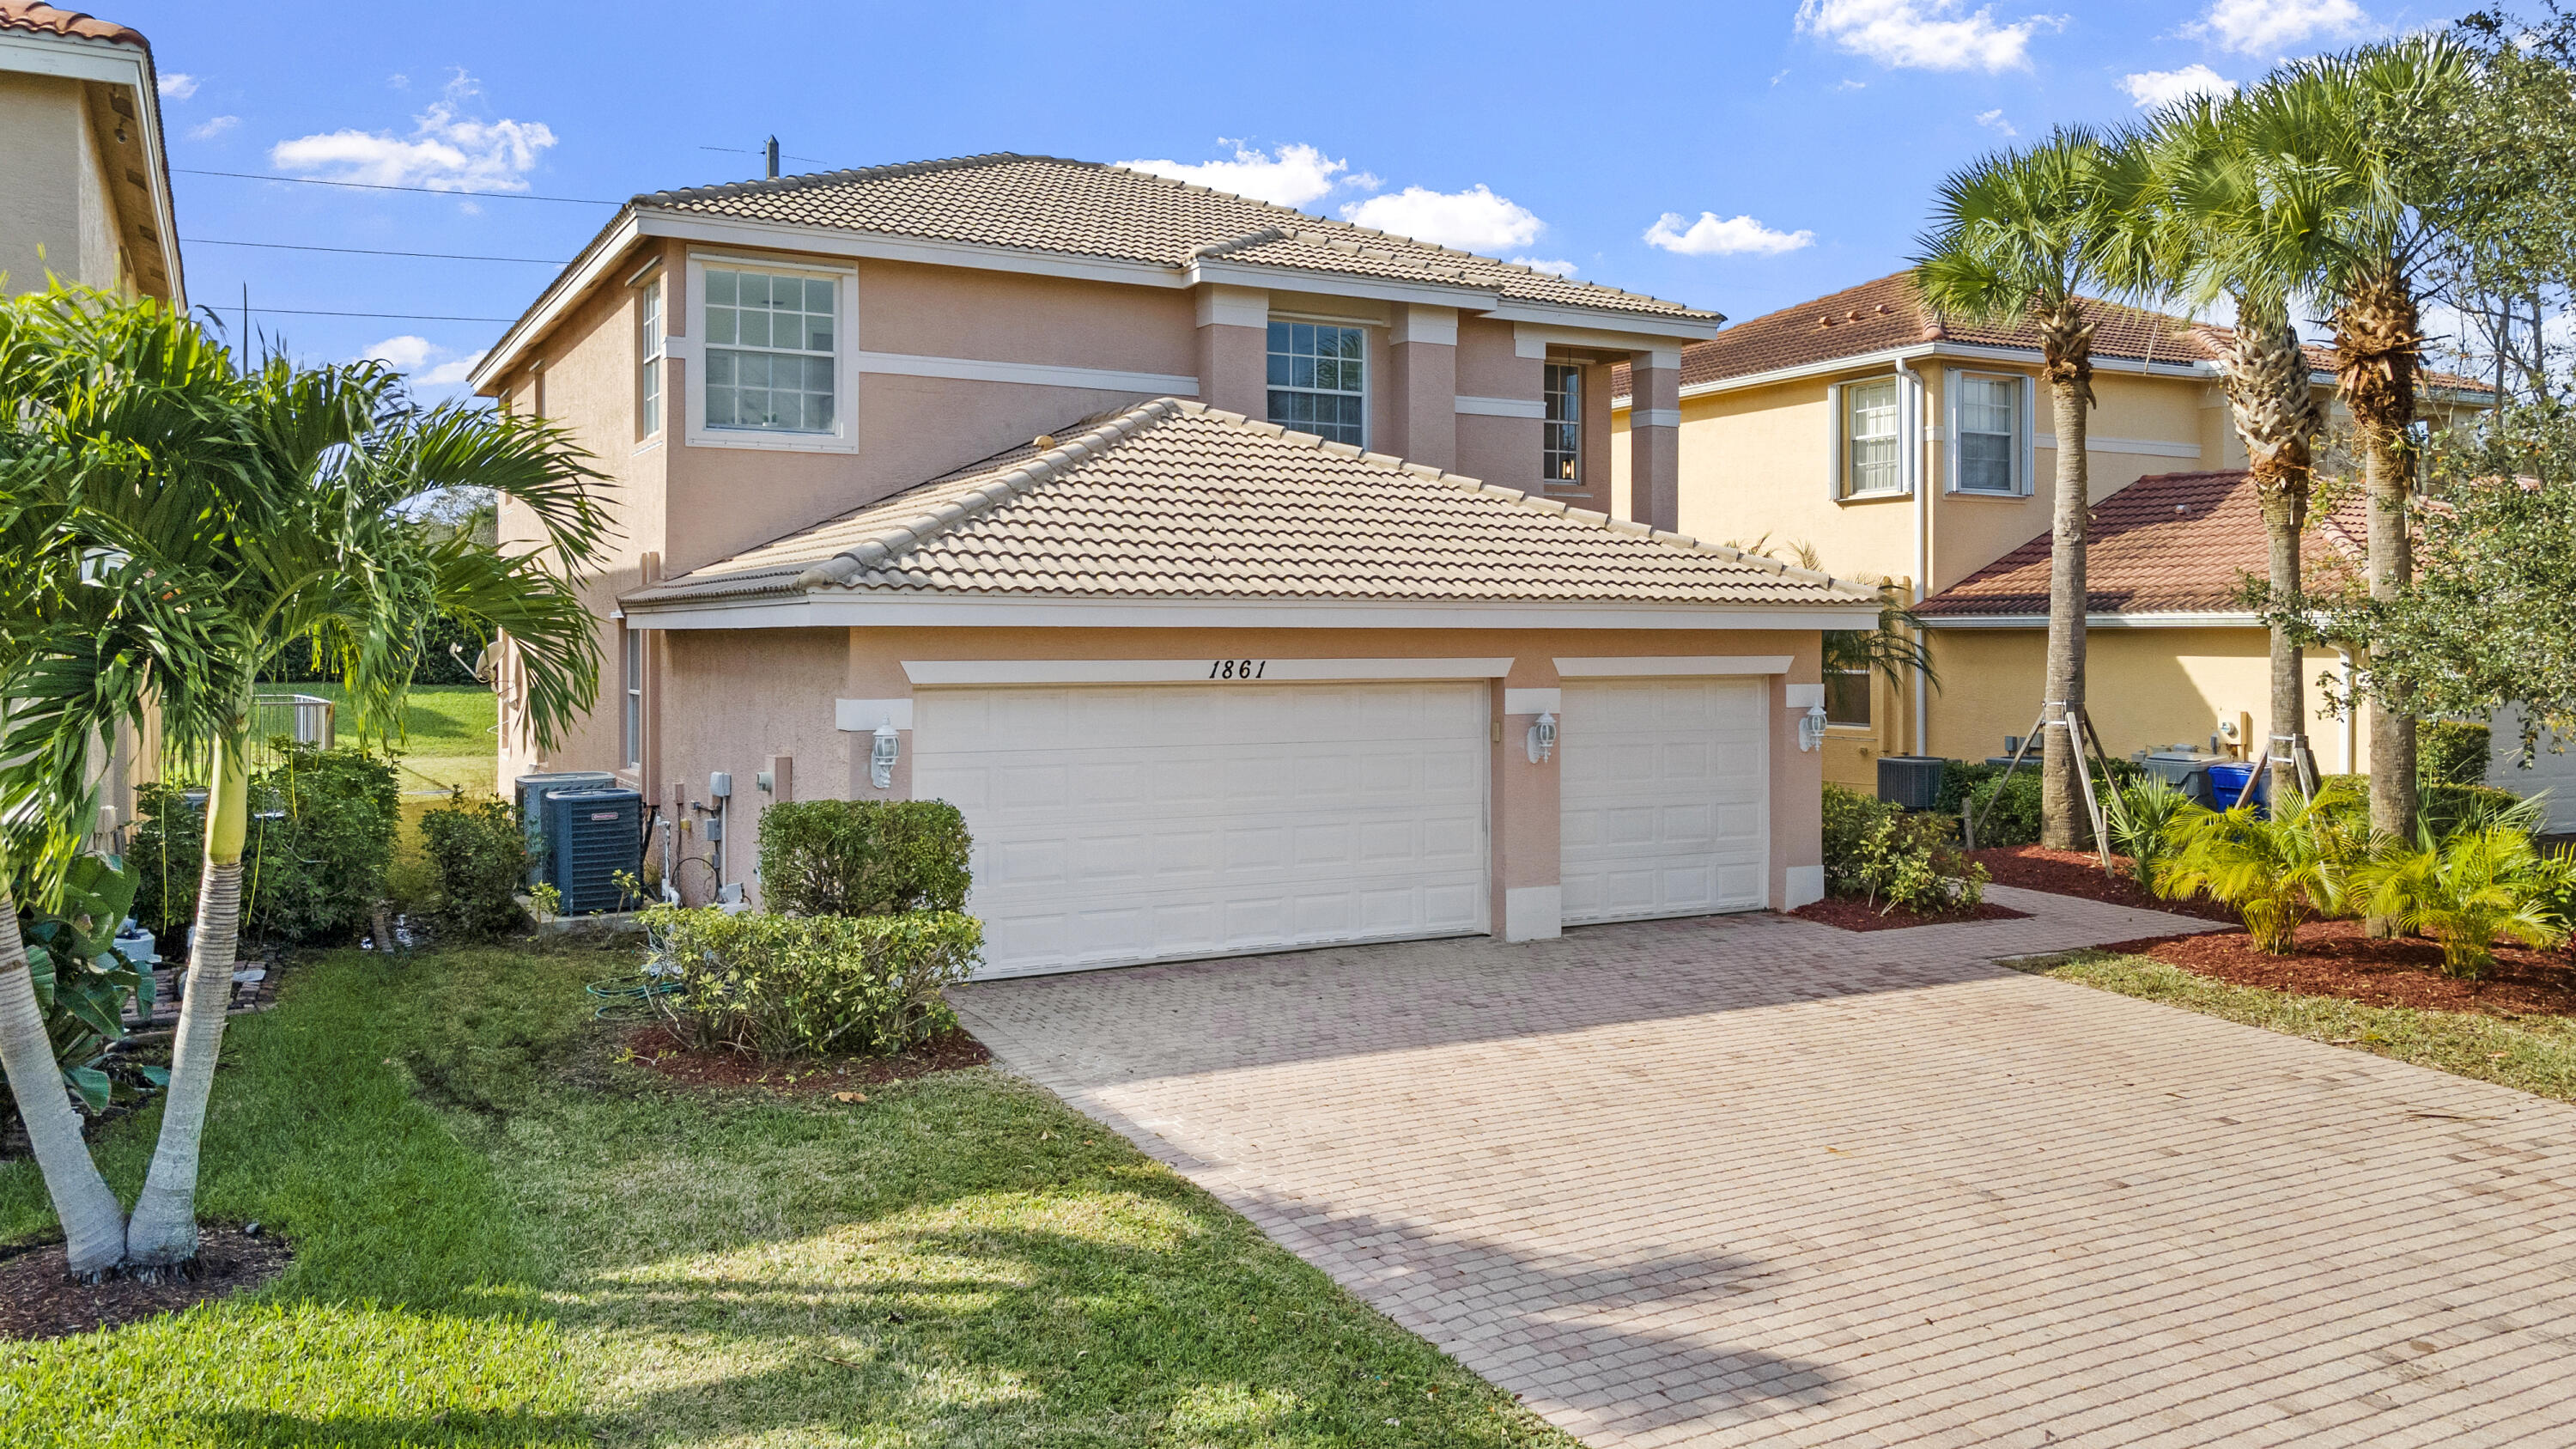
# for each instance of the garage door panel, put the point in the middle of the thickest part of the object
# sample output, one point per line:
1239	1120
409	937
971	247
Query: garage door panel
1664	790
1170	822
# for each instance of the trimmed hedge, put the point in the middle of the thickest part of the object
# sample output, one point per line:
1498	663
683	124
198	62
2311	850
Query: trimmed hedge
313	867
864	857
1881	853
2453	752
783	986
479	851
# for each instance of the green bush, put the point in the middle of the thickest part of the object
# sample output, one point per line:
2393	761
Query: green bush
313	866
1959	778
2278	872
2007	809
479	852
863	857
781	986
83	982
2443	809
2139	816
2452	752
1912	862
2470	888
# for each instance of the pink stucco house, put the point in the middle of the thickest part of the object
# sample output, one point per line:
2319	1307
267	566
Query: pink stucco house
1218	560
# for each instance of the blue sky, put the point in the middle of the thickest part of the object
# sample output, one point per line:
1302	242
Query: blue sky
1741	156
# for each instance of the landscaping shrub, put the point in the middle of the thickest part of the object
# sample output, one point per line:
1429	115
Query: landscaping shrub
2007	809
479	851
2139	815
863	857
2452	752
1911	861
2278	872
313	866
2444	809
780	986
2469	888
83	982
1959	778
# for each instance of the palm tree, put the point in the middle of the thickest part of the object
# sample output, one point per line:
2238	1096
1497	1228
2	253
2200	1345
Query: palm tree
2343	124
2237	222
2024	234
287	520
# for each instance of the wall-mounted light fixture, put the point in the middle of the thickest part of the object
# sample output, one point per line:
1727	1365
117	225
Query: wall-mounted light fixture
884	746
1542	739
1811	728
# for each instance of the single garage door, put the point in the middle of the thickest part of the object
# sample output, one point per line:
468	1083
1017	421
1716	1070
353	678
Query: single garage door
1119	824
1666	798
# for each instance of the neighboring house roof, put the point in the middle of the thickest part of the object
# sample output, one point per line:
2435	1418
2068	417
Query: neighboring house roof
2174	543
1888	314
46	20
1173	499
1084	208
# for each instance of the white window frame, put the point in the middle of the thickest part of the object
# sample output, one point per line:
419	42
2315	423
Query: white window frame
1547	479
1953	387
652	374
1909	439
630	670
1368	368
691	349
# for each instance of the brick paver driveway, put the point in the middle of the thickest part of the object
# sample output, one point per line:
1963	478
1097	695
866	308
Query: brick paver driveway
1752	1181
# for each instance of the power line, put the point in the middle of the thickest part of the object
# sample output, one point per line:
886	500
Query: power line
379	186
201	241
738	151
393	316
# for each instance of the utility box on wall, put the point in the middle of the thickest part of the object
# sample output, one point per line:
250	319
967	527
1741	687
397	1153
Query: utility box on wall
591	835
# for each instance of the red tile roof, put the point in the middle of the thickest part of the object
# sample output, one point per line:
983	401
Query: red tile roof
2175	543
46	20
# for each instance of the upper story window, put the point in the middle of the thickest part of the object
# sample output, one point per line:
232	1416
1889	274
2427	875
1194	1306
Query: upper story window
1873	459
648	371
769	351
1318	380
1561	442
1989	428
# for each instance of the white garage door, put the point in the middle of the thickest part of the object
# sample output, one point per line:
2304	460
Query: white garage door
1118	824
1666	798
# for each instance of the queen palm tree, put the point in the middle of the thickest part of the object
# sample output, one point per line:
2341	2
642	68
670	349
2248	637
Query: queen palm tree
287	519
2345	124
2023	235
2243	224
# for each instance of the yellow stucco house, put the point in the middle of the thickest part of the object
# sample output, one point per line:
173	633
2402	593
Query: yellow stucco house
1895	444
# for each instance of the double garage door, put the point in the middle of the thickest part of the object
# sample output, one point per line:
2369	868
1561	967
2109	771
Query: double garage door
1122	824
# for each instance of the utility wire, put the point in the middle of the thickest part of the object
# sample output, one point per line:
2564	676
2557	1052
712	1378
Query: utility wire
201	241
393	316
379	186
738	151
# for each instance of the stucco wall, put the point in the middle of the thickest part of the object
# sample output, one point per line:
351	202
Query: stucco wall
41	176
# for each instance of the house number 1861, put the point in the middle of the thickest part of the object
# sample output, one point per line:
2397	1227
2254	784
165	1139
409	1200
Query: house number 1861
1238	668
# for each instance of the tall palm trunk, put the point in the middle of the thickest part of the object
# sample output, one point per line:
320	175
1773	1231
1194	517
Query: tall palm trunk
2276	415
164	1230
2066	341
93	1221
2376	337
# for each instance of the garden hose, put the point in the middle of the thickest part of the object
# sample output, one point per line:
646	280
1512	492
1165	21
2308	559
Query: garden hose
630	998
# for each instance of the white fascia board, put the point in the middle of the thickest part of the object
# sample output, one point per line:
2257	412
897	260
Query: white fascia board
926	673
1533	339
1216	271
1671	666
829	611
568	288
1630	328
2096	621
888	247
1890	356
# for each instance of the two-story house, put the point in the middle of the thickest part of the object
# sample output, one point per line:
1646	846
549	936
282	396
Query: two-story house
1893	443
1246	577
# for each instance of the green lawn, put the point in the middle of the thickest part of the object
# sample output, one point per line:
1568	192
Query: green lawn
506	1235
2533	1053
447	734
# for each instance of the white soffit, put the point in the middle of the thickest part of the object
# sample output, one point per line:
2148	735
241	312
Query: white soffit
1242	670
1644	666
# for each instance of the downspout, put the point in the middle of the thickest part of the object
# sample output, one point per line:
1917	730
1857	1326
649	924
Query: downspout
1922	546
2351	723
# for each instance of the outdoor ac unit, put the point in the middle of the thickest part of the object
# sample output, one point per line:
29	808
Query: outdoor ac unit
531	791
591	835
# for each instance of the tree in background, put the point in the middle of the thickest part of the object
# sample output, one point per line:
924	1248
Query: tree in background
2024	235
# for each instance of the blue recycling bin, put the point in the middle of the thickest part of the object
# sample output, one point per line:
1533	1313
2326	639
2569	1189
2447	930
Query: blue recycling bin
2227	778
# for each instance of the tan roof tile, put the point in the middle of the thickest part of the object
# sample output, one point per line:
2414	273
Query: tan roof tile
2174	543
1175	499
46	20
1046	203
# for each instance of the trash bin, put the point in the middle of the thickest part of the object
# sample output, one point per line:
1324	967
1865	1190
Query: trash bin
2227	779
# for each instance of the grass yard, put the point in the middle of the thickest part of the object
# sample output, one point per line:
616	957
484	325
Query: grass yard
447	734
507	1236
2536	1054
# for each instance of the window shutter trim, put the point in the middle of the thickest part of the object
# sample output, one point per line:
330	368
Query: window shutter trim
2026	457
1834	429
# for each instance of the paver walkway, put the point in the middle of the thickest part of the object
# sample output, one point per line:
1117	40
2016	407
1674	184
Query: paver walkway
1754	1181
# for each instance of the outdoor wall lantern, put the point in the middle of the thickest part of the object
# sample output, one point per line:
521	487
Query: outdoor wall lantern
1811	728
1542	739
885	745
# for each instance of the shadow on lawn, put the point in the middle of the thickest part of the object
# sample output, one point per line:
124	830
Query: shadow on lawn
264	1429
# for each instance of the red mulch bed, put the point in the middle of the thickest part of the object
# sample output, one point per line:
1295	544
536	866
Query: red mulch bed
1850	914
2336	959
948	1052
2079	873
38	1298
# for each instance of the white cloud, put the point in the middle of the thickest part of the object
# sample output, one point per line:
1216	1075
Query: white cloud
402	354
178	85
1291	176
1553	269
447	150
1924	34
212	128
1994	121
2263	27
2156	89
451	373
425	362
1732	236
1474	220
